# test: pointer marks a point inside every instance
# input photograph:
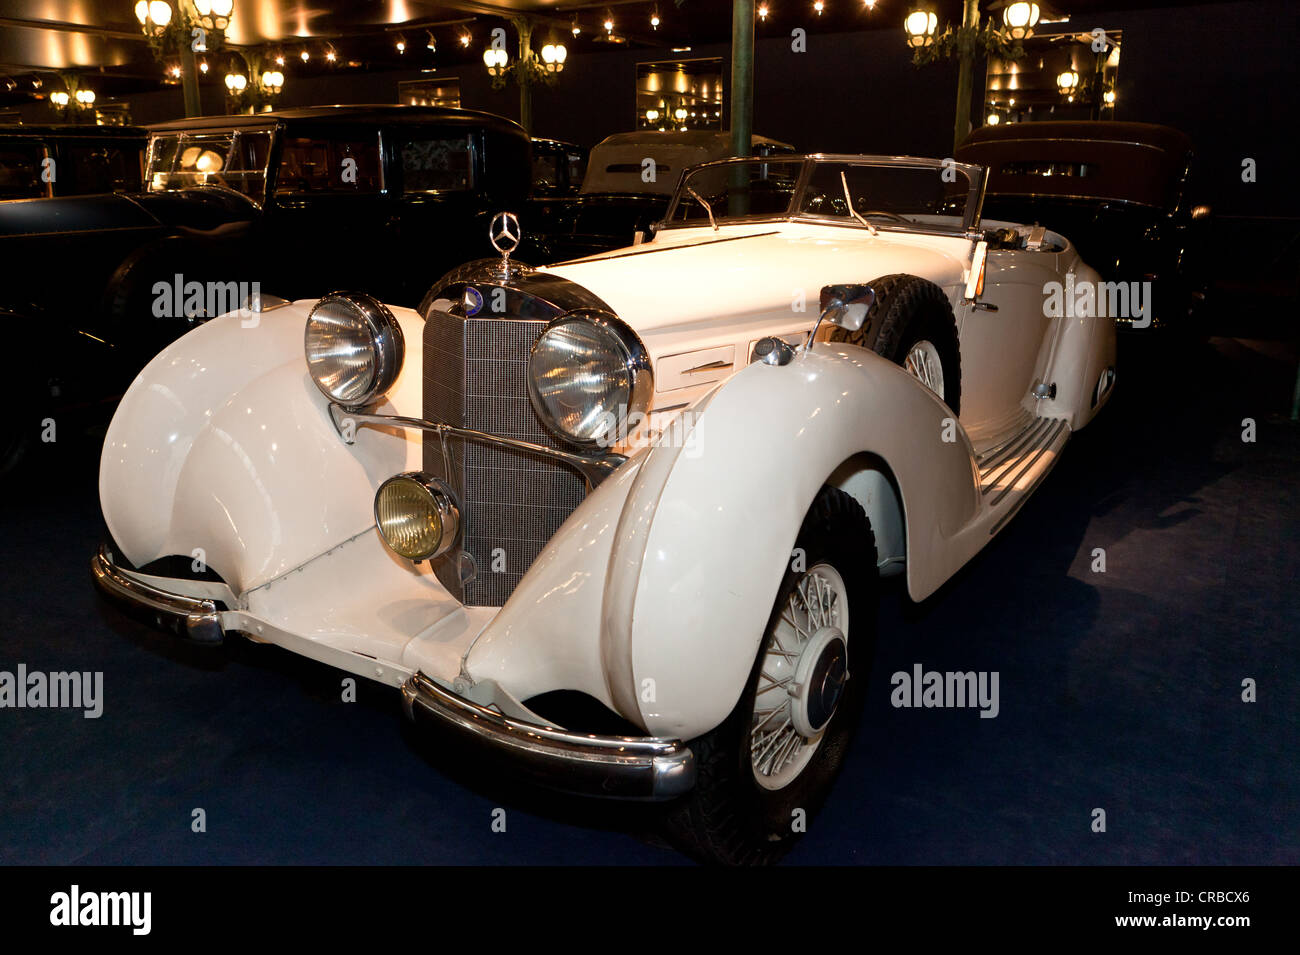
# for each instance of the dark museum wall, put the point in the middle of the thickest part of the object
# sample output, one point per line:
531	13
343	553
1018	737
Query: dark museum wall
1214	70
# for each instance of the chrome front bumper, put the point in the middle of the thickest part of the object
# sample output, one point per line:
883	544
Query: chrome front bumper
621	767
194	618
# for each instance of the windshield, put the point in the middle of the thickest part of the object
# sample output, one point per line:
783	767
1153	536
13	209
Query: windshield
231	158
873	192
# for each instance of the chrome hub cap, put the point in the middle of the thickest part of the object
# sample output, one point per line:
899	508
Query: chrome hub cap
801	679
923	364
819	679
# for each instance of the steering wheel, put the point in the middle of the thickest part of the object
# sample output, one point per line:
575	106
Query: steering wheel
223	189
888	215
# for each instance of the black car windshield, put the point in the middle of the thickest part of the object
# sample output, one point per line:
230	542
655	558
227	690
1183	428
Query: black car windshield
879	192
236	159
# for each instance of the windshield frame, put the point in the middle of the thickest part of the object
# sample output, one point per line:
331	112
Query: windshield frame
233	135
975	175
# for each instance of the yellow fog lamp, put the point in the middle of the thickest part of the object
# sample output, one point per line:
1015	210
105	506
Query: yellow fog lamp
417	515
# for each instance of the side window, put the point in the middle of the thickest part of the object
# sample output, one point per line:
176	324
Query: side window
96	168
315	164
436	163
20	171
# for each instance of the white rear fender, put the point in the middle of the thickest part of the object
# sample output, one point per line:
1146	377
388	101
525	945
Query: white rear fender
223	449
708	532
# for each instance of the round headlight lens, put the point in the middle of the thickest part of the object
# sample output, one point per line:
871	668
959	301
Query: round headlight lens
417	516
586	374
354	348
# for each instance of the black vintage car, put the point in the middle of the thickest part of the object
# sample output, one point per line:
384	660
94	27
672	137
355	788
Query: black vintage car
382	198
1121	192
38	162
558	167
622	194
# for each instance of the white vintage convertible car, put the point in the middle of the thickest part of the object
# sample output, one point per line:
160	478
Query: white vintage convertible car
653	490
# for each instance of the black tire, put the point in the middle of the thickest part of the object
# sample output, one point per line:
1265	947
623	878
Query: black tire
908	310
728	818
14	442
19	431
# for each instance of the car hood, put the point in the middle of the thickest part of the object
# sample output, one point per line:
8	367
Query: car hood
72	214
698	275
202	210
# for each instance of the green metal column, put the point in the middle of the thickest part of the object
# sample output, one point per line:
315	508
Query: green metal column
742	77
965	75
190	80
525	28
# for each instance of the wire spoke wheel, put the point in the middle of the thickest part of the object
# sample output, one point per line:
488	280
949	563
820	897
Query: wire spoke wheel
924	364
802	675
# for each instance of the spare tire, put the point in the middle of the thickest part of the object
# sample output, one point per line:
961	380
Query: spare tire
911	324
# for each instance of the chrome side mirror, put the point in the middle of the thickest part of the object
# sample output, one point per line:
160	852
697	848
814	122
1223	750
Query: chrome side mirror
844	306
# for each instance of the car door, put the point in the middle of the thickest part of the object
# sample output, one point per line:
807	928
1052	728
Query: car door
443	212
329	220
1000	345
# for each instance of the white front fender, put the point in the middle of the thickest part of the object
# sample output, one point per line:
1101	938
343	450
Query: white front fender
653	597
723	527
222	449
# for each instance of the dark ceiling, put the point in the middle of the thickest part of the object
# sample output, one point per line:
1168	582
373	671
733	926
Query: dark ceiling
102	37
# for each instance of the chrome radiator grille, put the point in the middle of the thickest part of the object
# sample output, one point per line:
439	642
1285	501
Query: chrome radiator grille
512	503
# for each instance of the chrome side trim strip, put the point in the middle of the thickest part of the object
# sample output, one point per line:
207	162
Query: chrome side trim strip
626	767
192	617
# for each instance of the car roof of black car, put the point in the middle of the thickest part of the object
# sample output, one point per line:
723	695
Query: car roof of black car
72	129
375	113
1131	162
693	137
1143	134
562	143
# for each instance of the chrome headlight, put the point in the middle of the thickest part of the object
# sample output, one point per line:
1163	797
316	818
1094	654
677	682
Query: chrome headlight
417	515
354	348
587	373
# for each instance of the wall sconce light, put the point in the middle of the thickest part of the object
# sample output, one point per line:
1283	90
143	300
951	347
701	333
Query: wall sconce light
1067	82
59	98
273	81
236	83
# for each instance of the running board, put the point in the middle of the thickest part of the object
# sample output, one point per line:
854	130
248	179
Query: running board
1010	470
